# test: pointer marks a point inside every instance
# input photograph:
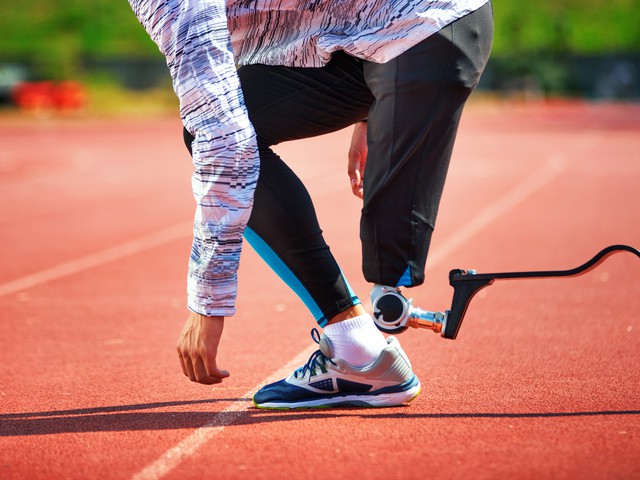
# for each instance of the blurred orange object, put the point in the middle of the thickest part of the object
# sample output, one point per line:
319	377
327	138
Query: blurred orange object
46	96
34	96
69	96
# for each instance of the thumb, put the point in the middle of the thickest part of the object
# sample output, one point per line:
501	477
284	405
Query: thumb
212	368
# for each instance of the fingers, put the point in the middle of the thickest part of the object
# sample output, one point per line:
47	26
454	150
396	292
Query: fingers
201	374
355	170
194	368
211	367
357	158
183	364
356	184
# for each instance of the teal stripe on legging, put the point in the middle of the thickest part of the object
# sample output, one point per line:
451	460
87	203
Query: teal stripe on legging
284	272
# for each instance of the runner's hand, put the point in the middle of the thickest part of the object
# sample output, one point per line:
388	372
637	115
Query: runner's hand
198	348
357	158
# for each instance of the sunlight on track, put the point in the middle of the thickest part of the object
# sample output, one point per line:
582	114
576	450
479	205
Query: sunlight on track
117	252
533	182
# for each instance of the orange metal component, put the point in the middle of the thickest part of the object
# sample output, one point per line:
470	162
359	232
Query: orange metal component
418	323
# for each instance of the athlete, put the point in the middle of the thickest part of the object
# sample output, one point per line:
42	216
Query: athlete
401	71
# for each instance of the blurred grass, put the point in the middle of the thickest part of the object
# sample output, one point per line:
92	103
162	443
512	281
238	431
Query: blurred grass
111	99
566	26
58	36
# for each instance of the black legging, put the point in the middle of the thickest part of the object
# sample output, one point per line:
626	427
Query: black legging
413	104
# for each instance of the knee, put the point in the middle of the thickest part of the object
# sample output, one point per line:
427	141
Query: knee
468	71
473	43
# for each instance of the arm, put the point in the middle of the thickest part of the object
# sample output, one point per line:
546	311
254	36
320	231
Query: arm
194	38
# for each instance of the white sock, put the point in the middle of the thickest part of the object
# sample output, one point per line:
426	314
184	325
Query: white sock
357	340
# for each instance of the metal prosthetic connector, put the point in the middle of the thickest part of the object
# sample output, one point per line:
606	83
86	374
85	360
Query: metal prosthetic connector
393	313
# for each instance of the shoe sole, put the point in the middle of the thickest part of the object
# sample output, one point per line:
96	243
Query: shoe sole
374	401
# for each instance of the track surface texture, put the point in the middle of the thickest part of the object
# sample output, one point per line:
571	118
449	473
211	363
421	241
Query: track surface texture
543	380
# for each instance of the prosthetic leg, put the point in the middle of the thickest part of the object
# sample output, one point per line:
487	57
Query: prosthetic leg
393	313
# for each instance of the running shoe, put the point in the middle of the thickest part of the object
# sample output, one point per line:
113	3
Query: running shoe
325	381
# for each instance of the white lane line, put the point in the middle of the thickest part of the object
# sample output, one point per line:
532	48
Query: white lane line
201	435
95	259
187	447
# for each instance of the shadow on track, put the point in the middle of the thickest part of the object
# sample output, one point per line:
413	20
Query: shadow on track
129	418
108	419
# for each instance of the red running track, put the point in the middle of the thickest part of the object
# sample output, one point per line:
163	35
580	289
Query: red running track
542	382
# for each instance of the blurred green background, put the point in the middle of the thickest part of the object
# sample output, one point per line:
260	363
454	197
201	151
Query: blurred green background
584	48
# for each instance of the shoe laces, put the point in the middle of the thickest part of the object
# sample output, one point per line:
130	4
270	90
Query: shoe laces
316	360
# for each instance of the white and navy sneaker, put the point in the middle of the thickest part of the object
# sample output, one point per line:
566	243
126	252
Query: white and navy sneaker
331	382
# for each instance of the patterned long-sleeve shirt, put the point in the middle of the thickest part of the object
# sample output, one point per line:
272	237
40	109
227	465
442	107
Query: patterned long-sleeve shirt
304	33
195	36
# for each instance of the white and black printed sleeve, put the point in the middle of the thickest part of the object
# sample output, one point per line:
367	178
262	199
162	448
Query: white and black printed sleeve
194	38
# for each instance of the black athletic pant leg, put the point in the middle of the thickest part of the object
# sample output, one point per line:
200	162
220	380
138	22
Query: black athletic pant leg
287	104
419	97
